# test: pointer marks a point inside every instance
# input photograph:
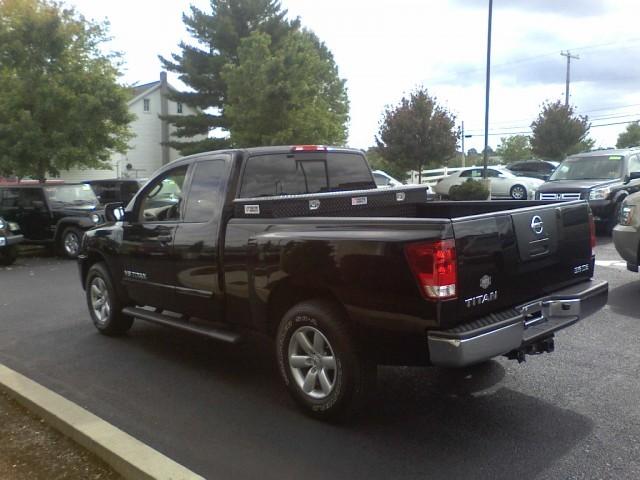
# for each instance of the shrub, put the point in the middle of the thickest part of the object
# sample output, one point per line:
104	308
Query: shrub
469	190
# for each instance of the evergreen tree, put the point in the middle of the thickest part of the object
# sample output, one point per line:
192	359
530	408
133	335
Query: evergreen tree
219	34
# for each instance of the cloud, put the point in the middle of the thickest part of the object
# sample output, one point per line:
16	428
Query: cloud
608	68
575	8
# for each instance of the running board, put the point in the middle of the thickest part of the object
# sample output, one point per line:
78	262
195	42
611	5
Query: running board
205	330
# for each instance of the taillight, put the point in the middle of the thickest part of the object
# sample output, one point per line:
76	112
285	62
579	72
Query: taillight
435	268
309	148
592	231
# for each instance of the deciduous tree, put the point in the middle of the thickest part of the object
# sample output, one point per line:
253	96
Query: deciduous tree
284	93
60	103
558	132
630	137
514	148
417	133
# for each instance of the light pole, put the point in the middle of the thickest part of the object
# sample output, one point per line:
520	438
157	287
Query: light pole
486	103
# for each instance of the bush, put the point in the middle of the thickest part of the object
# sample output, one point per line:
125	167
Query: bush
469	190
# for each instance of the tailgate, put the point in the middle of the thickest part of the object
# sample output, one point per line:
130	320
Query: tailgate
507	258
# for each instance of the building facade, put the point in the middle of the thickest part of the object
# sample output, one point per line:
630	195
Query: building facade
147	152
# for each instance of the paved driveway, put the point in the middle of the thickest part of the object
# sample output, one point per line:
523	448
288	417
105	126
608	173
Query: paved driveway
221	410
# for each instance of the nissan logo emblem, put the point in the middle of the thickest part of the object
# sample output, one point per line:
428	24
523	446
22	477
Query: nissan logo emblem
537	225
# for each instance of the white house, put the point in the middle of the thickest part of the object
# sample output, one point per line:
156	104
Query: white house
146	153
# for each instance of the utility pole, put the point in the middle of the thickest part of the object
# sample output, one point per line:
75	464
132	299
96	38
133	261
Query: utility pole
486	101
569	57
462	137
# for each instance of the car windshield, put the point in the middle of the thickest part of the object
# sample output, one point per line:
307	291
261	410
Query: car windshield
589	168
71	194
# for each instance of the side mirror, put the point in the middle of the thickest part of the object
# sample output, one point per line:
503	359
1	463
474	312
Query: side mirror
633	175
114	212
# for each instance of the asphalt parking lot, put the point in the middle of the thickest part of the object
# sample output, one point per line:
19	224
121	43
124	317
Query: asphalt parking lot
222	412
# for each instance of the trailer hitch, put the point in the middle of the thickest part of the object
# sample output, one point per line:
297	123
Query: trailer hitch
544	345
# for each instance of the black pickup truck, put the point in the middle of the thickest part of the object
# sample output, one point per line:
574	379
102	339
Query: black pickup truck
296	243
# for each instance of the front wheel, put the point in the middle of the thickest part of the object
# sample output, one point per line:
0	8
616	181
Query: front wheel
518	192
105	307
320	363
69	245
8	255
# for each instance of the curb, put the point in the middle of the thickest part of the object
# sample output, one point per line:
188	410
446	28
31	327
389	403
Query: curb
129	457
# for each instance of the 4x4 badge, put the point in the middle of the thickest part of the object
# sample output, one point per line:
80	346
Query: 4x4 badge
537	225
485	282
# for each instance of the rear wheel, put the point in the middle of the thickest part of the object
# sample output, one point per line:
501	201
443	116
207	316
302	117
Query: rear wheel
518	192
8	255
105	307
326	374
69	244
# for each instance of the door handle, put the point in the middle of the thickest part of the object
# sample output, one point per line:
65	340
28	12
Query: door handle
164	238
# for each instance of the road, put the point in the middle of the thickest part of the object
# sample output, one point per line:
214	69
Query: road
222	412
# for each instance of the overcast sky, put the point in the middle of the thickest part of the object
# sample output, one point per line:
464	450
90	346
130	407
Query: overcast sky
384	49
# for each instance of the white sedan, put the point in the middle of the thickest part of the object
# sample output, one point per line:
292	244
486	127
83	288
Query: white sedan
504	184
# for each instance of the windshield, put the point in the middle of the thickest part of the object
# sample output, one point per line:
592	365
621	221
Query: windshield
71	194
589	168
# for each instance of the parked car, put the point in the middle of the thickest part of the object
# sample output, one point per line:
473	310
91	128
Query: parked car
115	189
504	184
292	242
383	179
604	178
10	237
541	169
626	234
52	214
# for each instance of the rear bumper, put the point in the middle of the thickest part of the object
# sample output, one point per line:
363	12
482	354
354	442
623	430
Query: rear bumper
10	240
526	324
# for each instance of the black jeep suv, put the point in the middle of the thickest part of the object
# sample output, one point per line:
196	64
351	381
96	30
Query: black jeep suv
52	214
604	178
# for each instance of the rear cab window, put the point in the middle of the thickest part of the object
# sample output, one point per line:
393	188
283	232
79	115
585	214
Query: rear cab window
304	172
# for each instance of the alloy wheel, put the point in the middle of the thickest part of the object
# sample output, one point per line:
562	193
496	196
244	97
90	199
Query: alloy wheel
312	362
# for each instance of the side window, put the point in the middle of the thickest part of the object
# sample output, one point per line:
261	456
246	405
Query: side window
466	173
31	198
162	201
9	197
493	173
205	194
634	164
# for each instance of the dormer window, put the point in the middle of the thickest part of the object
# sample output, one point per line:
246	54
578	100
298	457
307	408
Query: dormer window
146	104
179	107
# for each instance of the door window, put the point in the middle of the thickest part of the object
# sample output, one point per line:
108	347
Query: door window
205	194
634	164
162	200
31	198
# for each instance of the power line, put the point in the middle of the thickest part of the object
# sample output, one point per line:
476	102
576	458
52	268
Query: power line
529	131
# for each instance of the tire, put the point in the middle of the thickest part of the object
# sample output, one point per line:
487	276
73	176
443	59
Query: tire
105	307
330	379
8	255
518	192
69	243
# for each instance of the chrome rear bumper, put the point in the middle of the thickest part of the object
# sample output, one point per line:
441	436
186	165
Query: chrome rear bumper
517	328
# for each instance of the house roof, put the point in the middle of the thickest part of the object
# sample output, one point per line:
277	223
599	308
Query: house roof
137	90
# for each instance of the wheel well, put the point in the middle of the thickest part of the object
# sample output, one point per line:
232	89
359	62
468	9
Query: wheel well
286	295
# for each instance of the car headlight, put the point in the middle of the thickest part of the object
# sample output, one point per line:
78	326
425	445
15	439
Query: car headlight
2	224
95	218
626	214
599	193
